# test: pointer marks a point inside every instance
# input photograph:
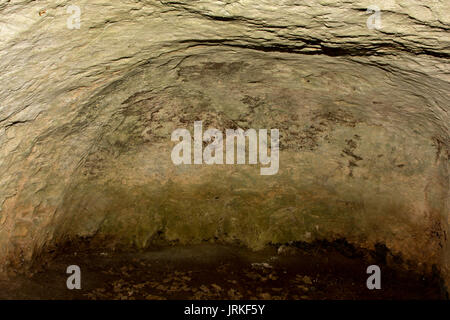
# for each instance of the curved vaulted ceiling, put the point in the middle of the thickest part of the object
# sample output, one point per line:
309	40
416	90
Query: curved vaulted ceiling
86	117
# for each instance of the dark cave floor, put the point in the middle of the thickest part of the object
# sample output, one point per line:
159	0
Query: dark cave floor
211	271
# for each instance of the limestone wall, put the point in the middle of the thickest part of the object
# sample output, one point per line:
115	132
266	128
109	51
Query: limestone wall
86	117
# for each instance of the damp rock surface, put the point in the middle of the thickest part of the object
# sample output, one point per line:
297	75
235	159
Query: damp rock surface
86	117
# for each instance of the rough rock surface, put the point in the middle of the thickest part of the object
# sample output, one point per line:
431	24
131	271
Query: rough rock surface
86	117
